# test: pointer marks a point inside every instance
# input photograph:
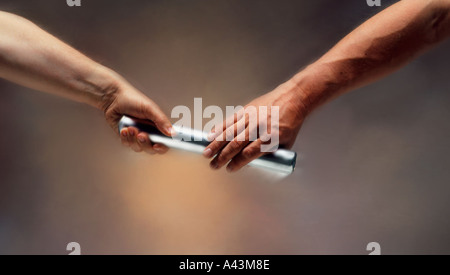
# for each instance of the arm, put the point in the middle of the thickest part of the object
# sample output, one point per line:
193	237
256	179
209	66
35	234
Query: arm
380	46
33	58
377	48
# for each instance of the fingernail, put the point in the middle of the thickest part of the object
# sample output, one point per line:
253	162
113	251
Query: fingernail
141	139
207	153
124	133
132	133
210	137
214	166
171	131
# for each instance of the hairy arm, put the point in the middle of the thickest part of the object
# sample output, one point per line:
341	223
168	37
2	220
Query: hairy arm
375	49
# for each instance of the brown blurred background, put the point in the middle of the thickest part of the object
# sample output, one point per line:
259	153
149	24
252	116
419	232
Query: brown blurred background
374	164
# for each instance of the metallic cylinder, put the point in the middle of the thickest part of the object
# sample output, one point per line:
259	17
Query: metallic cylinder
281	161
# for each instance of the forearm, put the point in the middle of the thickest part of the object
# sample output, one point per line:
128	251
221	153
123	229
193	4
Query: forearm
380	46
33	58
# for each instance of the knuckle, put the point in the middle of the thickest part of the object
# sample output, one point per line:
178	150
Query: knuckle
229	134
217	145
250	152
235	145
213	147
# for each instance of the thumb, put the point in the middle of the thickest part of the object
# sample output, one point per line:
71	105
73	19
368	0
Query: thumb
161	121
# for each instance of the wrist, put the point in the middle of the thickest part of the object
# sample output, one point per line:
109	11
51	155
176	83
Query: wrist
103	85
316	85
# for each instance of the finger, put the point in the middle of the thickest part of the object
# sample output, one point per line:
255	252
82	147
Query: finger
228	135
145	143
160	149
124	137
132	139
249	154
214	147
230	151
222	127
154	113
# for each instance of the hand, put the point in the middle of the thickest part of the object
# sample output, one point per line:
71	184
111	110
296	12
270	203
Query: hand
291	116
123	99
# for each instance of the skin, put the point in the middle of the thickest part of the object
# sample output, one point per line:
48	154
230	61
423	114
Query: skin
380	46
33	58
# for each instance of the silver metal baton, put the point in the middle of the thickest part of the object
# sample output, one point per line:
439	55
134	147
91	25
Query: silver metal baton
281	161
